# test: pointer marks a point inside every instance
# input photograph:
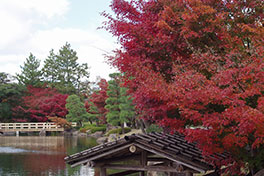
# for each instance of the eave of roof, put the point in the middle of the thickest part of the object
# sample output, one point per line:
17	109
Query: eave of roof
173	147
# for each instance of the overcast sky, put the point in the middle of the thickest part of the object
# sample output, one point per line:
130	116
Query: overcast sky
37	26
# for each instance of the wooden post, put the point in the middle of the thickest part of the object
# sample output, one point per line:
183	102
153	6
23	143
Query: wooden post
102	171
172	164
143	161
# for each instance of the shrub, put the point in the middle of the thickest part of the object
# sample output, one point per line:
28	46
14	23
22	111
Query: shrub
154	128
93	128
118	131
83	130
61	122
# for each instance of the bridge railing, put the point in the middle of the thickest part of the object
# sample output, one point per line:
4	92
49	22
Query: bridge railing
31	126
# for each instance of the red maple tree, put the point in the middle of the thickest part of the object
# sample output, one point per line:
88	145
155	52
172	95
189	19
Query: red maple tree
41	103
197	68
97	99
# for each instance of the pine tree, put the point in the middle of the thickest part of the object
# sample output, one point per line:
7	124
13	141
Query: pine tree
118	103
112	102
127	109
76	109
50	71
93	113
10	96
30	73
63	71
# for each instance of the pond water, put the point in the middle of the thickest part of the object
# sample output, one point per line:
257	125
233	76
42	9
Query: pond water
41	156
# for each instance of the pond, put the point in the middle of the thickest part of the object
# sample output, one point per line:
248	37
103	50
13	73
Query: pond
42	156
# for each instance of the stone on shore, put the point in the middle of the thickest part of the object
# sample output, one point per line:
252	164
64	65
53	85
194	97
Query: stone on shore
97	134
102	140
42	132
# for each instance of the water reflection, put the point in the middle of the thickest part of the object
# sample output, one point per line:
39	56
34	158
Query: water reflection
41	156
12	150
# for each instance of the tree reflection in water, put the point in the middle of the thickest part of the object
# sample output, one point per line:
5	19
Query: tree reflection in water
33	155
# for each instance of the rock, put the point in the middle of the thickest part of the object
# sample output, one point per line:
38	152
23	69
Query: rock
96	134
88	132
101	140
110	127
82	134
42	133
112	137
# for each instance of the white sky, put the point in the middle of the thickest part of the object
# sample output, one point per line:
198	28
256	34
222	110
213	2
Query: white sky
37	26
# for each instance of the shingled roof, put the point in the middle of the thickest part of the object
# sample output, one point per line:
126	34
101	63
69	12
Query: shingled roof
170	147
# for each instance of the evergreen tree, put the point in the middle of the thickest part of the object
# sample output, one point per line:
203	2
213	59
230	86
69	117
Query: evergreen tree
127	109
118	103
112	102
93	113
10	96
5	78
63	71
30	73
50	71
76	109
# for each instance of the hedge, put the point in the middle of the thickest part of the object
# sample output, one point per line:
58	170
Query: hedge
93	128
118	131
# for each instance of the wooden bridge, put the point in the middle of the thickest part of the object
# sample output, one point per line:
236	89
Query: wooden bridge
30	127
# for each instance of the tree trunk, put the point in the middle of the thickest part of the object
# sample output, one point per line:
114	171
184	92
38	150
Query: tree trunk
80	123
146	123
122	127
133	123
142	127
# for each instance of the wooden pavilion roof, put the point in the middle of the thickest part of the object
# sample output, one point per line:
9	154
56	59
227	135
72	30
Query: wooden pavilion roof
170	147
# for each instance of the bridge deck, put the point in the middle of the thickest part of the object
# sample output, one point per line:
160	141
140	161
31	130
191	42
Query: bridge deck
30	127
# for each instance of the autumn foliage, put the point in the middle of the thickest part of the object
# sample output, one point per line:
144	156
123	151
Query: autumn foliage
60	122
96	103
40	103
197	68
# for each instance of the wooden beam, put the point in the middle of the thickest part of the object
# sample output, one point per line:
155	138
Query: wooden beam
100	155
137	157
158	159
117	159
124	173
193	165
142	168
177	174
